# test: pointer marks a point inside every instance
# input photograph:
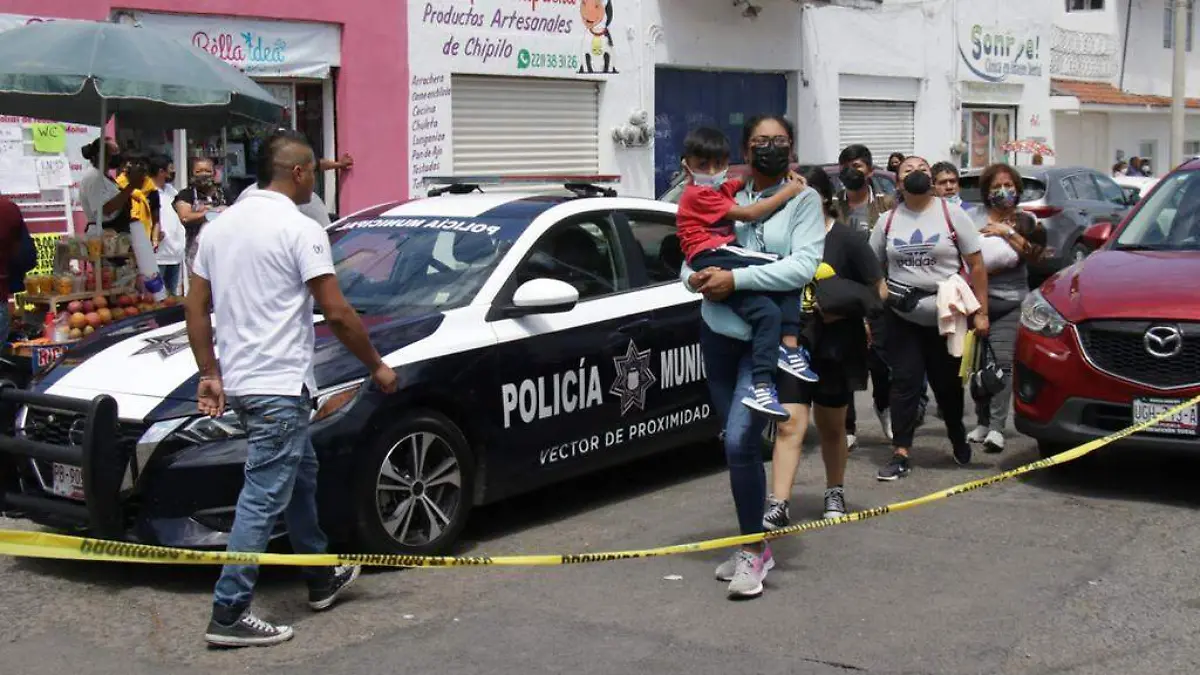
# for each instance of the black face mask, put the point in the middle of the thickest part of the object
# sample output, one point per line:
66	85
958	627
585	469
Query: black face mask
918	183
853	179
770	160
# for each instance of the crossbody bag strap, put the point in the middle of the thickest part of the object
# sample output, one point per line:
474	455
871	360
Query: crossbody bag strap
962	264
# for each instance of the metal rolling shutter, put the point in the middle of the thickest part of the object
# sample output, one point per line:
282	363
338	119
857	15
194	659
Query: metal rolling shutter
883	126
525	125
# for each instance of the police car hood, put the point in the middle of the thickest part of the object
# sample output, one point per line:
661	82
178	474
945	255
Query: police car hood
147	366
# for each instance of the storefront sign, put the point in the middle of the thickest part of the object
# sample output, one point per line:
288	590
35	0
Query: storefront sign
259	48
991	53
535	38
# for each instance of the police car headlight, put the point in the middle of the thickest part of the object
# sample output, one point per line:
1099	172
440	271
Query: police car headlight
329	401
209	429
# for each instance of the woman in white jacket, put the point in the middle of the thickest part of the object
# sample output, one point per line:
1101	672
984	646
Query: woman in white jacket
169	249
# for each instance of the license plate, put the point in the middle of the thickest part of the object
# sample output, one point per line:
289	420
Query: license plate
68	481
1182	423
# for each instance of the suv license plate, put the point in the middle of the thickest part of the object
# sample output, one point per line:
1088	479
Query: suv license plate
68	481
1182	423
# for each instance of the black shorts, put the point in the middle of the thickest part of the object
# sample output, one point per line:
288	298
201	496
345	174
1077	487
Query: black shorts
831	391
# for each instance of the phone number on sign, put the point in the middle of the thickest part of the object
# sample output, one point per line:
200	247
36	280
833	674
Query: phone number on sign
528	59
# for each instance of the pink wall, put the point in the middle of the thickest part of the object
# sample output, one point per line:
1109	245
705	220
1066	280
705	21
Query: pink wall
372	88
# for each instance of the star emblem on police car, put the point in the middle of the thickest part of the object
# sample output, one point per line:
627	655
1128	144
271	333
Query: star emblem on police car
165	345
634	378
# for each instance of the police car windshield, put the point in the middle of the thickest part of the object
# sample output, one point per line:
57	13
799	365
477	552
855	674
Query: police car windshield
401	265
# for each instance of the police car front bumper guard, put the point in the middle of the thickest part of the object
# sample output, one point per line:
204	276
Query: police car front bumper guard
92	445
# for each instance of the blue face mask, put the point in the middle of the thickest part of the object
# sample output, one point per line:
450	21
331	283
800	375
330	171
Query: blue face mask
1003	198
708	180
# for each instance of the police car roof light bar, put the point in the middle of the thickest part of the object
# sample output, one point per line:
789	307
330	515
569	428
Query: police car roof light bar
579	184
519	179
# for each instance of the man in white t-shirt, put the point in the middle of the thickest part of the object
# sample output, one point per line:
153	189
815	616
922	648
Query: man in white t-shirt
261	264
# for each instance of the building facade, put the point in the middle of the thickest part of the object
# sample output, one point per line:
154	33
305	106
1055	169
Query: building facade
1112	73
339	67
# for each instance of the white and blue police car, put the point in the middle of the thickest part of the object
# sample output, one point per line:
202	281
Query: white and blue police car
537	337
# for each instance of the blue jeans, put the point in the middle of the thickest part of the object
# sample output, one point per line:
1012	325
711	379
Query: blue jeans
728	365
170	277
281	478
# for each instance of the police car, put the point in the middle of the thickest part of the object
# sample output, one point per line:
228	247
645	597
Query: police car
536	337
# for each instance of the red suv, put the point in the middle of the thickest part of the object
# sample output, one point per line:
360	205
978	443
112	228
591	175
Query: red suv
1114	339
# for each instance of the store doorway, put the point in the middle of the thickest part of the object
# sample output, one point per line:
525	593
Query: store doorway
686	99
984	132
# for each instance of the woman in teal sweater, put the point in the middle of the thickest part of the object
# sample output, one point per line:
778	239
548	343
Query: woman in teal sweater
795	233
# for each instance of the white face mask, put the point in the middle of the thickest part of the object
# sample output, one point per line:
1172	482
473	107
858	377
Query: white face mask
954	199
709	180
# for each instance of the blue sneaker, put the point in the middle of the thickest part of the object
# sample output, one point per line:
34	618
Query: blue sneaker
794	362
766	402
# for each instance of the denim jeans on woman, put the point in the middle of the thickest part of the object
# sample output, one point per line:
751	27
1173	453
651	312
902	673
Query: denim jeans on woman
727	363
280	478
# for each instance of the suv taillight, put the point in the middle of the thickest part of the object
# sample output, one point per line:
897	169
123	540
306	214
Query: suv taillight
1043	211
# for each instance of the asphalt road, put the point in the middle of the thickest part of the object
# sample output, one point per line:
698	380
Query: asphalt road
1086	569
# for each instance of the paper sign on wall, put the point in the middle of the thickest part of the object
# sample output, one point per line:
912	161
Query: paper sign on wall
53	172
9	132
49	137
12	148
18	175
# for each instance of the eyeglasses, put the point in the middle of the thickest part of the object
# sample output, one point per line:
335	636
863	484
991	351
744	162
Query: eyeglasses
777	141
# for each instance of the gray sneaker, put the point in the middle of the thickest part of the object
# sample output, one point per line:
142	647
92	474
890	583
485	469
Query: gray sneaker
776	515
748	575
835	502
727	569
247	631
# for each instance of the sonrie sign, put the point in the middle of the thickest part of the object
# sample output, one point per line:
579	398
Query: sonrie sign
992	54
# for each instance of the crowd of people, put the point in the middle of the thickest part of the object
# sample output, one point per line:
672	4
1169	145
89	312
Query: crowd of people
139	187
889	286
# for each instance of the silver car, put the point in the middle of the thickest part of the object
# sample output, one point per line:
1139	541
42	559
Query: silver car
1067	201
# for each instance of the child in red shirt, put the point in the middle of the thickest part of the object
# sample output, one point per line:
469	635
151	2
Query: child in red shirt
705	217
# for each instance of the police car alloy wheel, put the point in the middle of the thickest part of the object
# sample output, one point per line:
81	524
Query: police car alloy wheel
415	486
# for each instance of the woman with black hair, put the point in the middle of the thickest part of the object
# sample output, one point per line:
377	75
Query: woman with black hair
839	351
894	161
1011	240
99	192
795	235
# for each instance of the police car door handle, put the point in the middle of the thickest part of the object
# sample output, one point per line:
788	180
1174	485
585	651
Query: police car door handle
637	326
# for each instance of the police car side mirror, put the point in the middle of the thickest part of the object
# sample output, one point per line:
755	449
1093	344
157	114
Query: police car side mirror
542	296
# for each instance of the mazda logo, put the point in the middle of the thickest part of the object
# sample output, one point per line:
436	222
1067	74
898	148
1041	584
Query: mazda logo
1163	342
76	433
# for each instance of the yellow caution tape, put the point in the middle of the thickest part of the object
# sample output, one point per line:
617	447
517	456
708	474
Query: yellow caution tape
62	547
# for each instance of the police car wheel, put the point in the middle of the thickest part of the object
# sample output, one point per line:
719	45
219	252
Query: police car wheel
415	486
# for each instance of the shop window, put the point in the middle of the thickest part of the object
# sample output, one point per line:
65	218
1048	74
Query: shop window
1169	25
1191	148
984	133
1147	150
1085	5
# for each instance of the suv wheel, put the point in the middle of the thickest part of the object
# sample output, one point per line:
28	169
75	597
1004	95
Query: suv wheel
414	487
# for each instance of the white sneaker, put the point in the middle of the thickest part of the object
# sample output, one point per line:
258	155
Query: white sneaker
851	442
727	569
994	442
978	434
748	575
885	421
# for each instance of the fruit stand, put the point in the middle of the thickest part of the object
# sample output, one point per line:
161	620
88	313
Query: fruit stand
93	282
